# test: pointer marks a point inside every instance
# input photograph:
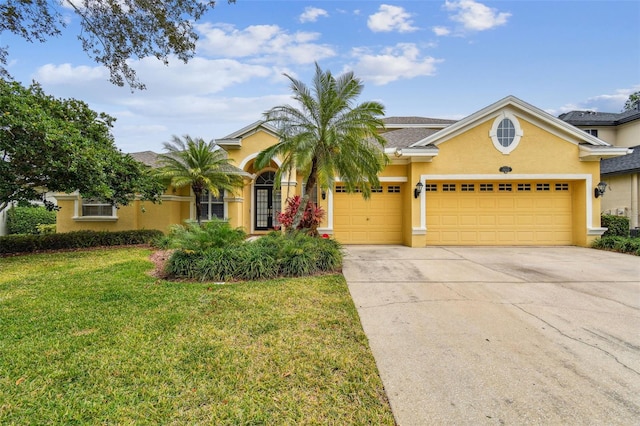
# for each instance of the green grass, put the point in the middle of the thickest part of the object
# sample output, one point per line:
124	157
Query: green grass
89	338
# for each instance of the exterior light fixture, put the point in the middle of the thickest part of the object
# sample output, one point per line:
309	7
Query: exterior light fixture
418	190
599	189
505	169
324	194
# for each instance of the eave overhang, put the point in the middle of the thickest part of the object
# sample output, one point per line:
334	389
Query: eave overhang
412	155
597	153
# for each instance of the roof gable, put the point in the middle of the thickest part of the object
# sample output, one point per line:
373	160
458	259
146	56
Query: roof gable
513	104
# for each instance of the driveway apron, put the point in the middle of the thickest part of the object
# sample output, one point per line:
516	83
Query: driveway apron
506	335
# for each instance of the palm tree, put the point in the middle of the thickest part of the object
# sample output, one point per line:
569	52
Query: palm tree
328	135
199	164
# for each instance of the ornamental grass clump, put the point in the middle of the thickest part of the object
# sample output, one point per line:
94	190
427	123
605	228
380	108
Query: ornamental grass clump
218	254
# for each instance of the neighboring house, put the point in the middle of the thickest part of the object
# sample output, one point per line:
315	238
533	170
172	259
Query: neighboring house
509	174
622	174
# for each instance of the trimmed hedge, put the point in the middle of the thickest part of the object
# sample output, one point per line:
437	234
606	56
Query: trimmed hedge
25	219
12	244
617	225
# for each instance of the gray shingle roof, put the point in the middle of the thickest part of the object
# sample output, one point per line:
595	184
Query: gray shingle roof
149	158
629	163
402	138
416	120
593	118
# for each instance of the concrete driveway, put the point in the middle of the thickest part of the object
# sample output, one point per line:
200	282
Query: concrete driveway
508	335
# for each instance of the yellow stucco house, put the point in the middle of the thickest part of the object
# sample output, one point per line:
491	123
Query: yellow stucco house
509	174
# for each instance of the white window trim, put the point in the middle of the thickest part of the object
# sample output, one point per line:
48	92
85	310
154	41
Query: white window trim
493	133
77	207
224	204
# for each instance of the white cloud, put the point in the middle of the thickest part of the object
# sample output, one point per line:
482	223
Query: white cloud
67	73
475	16
391	18
402	61
608	102
441	31
262	43
311	14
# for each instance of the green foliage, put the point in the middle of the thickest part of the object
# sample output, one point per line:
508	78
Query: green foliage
113	32
633	102
276	254
329	134
620	244
46	229
25	220
194	237
253	263
616	225
201	165
12	244
61	145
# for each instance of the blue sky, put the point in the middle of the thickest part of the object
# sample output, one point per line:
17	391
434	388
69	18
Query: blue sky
441	59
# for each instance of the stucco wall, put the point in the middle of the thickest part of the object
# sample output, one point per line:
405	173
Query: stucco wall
629	134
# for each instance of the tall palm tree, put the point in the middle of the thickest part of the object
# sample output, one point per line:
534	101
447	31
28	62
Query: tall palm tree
199	164
327	135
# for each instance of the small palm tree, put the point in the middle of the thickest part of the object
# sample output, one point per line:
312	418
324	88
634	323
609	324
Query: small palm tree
328	135
199	164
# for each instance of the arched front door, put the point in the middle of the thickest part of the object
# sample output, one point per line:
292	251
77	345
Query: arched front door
267	202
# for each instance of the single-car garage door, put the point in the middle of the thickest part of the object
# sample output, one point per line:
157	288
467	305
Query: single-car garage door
499	213
377	220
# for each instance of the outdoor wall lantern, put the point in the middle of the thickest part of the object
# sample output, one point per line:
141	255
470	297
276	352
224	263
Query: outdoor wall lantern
599	189
418	190
324	195
505	169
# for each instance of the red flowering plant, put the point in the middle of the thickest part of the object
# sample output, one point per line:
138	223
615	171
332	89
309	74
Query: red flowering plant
311	217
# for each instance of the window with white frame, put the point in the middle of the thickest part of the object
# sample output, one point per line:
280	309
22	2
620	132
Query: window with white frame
506	132
96	207
211	206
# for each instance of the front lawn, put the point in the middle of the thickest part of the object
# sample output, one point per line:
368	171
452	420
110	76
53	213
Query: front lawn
88	337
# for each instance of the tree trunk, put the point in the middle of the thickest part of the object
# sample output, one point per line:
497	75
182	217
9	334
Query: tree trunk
310	186
197	191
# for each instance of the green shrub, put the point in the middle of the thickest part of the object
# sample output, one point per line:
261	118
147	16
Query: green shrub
616	225
256	263
215	233
183	264
12	244
299	256
275	254
620	244
25	219
46	229
329	255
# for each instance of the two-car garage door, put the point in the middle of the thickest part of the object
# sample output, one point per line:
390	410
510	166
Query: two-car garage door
499	213
461	213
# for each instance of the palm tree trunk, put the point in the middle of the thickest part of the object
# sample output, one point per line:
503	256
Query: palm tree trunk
310	186
197	192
